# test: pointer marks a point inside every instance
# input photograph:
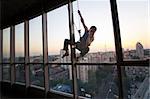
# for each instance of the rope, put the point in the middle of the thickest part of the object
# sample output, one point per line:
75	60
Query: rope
79	30
78	9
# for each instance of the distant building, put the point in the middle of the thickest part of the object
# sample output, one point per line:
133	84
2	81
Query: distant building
83	71
137	71
57	72
65	59
139	50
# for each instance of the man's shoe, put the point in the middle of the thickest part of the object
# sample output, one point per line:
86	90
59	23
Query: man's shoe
66	54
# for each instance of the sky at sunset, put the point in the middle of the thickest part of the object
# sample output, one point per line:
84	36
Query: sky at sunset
133	17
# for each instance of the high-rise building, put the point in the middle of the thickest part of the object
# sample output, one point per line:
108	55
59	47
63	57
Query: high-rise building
66	60
83	71
139	50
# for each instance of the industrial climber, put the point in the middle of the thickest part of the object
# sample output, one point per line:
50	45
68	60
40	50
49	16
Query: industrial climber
85	40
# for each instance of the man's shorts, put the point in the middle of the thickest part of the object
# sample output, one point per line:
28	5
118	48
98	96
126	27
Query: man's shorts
81	47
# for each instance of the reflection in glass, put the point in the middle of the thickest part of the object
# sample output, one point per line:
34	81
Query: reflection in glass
60	78
37	75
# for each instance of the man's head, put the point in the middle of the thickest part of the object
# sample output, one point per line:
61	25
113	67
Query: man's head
93	29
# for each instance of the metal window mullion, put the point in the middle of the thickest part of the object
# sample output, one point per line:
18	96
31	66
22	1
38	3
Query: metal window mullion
118	46
45	52
12	53
73	55
26	49
1	53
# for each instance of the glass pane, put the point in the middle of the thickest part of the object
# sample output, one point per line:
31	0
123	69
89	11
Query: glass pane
98	82
60	78
99	15
133	17
6	54
19	43
58	30
20	73
35	40
37	75
6	45
6	72
136	82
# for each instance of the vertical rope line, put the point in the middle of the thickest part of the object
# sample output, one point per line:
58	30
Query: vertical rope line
78	16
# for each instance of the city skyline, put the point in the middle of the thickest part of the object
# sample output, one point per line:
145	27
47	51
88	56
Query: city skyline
133	18
32	59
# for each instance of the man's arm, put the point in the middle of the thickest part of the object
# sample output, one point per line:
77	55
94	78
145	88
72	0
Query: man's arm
82	20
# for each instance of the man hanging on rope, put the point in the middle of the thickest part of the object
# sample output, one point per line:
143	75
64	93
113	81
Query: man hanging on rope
85	40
